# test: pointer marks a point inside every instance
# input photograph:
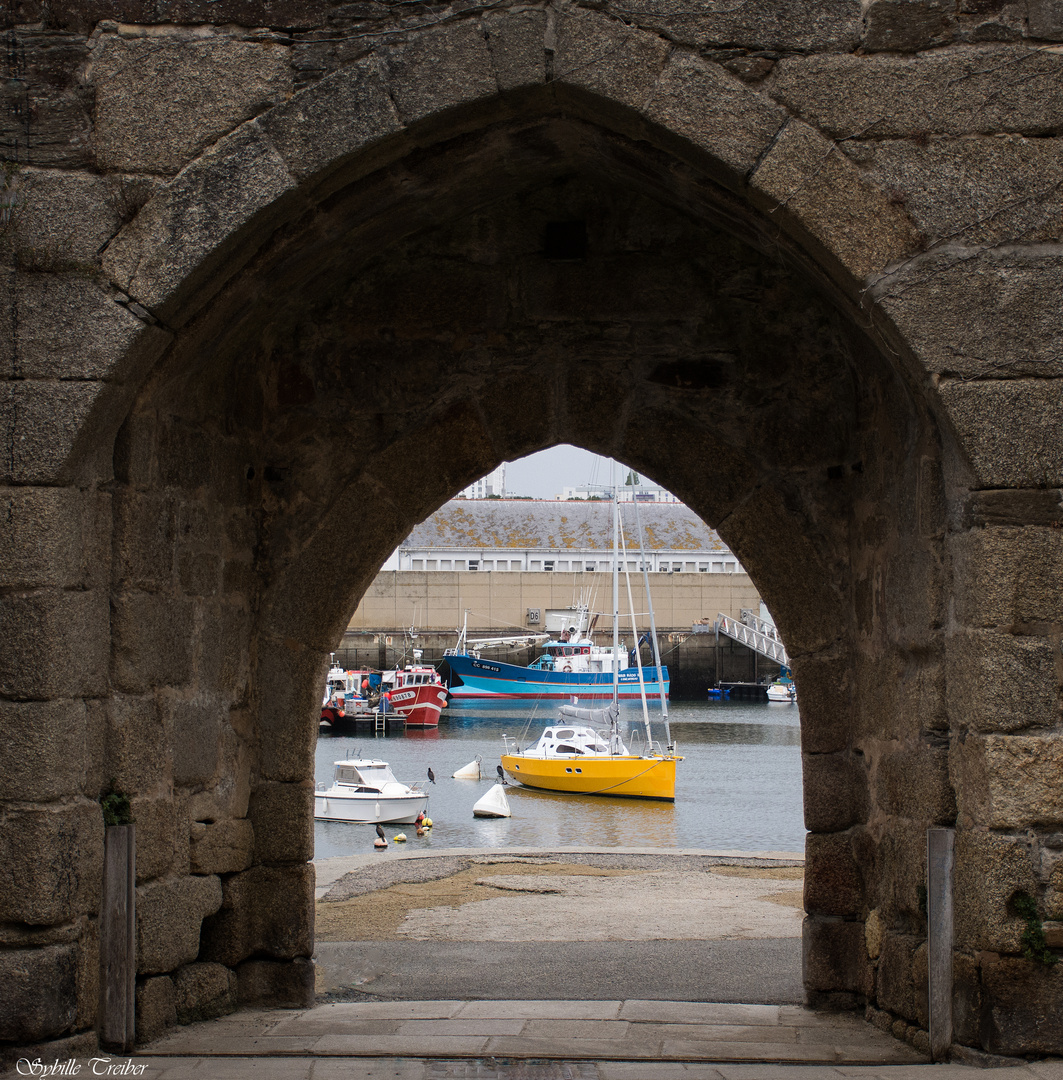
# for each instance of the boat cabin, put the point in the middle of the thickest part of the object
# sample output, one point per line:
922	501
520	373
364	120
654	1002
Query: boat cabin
571	741
415	676
363	775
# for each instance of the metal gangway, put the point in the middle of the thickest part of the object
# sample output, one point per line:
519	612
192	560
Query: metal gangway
755	634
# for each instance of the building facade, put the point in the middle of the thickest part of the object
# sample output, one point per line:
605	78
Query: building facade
561	537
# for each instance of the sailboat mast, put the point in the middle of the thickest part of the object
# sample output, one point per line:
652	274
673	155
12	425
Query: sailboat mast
653	624
614	723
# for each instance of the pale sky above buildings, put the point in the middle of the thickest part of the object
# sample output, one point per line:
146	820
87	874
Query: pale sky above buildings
546	474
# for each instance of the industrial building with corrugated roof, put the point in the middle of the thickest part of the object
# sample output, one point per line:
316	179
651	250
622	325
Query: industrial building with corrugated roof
533	535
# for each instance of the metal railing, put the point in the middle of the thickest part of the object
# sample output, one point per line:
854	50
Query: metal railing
755	634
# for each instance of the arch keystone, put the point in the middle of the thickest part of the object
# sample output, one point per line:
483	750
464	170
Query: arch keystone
440	70
608	58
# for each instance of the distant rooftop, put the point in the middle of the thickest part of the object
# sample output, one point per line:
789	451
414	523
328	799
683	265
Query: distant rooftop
528	524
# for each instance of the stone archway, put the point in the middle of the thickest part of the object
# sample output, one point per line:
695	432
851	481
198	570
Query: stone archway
342	312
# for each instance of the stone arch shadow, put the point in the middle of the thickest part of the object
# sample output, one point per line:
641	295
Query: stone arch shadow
345	315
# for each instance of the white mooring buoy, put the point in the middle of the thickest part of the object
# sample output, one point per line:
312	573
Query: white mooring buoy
470	771
493	804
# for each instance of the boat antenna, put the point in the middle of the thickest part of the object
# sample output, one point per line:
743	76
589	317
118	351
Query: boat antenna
653	624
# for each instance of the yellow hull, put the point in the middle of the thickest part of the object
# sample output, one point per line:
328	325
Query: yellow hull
629	776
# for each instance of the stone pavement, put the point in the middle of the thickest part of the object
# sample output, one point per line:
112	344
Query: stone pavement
547	1040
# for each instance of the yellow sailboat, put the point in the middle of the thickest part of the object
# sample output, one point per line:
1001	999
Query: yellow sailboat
583	753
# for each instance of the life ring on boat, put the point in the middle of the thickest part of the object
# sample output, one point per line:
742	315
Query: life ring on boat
567	667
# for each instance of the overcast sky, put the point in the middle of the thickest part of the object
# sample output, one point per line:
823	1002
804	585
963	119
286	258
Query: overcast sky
547	474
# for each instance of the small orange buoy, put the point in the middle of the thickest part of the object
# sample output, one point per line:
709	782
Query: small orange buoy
380	844
420	831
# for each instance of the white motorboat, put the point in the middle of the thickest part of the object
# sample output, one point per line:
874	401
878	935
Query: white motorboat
782	691
366	791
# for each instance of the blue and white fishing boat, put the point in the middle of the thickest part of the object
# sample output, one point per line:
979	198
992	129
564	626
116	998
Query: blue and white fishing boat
571	666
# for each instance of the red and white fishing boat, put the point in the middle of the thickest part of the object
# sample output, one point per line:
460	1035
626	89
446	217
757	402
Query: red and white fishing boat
418	693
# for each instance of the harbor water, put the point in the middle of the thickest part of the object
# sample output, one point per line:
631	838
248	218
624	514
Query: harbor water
738	786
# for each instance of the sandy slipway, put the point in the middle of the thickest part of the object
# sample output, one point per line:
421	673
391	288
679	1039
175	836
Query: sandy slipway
561	925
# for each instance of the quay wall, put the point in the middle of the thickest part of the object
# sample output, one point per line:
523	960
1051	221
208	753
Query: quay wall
498	601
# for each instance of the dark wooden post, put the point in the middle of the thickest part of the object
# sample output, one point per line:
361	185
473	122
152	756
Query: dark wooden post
940	849
118	944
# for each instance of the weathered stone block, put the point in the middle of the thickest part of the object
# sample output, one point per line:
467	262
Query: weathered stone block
960	91
1023	773
170	914
268	911
172	257
834	958
1023	1003
61	217
285	984
287	685
1002	682
221	847
285	13
1045	19
835	791
323	126
50	125
898	987
55	644
811	180
44	749
834	884
156	1009
1008	576
907	25
952	311
153	641
1040	506
283	818
820	26
1000	190
607	58
515	39
229	795
161	100
50	424
716	112
1008	429
38	992
49	863
53	537
203	992
1054	893
825	683
913	782
197	728
138	744
966	999
990	869
155	836
145	534
896	872
438	71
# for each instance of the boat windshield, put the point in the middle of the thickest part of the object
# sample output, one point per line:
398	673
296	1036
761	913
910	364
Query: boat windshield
377	774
